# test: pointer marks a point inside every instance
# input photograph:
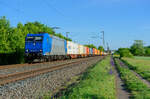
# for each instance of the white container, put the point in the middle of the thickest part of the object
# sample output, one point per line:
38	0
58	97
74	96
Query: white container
81	49
84	50
72	48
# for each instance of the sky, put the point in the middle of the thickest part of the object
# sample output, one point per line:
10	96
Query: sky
122	21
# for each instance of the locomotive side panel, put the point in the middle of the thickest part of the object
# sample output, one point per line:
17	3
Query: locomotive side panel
58	46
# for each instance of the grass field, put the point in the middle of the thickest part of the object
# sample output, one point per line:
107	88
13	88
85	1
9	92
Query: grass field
97	83
140	64
141	58
138	89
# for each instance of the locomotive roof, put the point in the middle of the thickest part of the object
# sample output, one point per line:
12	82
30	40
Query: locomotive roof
40	34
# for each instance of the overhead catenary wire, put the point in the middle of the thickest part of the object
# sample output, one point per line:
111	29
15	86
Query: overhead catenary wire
58	11
52	7
11	7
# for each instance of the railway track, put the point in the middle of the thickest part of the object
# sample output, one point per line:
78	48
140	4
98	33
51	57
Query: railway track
9	78
26	64
2	67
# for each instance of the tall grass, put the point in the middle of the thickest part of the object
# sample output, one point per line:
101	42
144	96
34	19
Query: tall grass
140	65
142	57
96	83
138	89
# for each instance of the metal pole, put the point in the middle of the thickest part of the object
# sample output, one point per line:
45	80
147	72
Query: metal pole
103	39
107	47
67	34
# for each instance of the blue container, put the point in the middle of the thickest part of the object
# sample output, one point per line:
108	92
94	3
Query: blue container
91	51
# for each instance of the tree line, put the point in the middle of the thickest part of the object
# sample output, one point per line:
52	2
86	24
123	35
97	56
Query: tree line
93	46
12	39
137	49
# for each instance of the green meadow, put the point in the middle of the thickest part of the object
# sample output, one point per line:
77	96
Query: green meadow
137	88
139	64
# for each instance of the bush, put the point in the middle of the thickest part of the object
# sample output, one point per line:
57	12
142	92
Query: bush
124	52
147	51
137	48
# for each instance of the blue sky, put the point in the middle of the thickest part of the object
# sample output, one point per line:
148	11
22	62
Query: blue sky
122	20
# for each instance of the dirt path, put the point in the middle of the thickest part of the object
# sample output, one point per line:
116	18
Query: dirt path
140	77
121	92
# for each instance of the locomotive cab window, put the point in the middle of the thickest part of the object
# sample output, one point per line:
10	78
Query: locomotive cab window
31	39
39	38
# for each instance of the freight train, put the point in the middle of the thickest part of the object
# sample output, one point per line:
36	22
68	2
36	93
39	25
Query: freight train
46	47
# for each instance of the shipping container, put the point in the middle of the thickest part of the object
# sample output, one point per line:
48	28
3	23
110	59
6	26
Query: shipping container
84	49
98	52
95	51
72	48
101	53
87	50
81	49
91	51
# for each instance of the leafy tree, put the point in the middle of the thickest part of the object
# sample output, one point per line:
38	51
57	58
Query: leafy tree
37	27
4	35
137	48
147	47
101	48
12	39
91	46
147	51
124	52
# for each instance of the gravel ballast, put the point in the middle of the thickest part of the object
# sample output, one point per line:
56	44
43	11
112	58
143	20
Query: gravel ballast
35	66
36	87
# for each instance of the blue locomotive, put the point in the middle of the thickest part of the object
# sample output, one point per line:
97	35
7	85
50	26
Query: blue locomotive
44	47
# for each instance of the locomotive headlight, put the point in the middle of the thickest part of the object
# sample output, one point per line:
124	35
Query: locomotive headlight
40	50
27	50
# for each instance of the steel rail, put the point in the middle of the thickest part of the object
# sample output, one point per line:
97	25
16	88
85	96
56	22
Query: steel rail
26	64
5	79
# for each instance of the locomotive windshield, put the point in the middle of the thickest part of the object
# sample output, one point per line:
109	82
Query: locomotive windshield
36	38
